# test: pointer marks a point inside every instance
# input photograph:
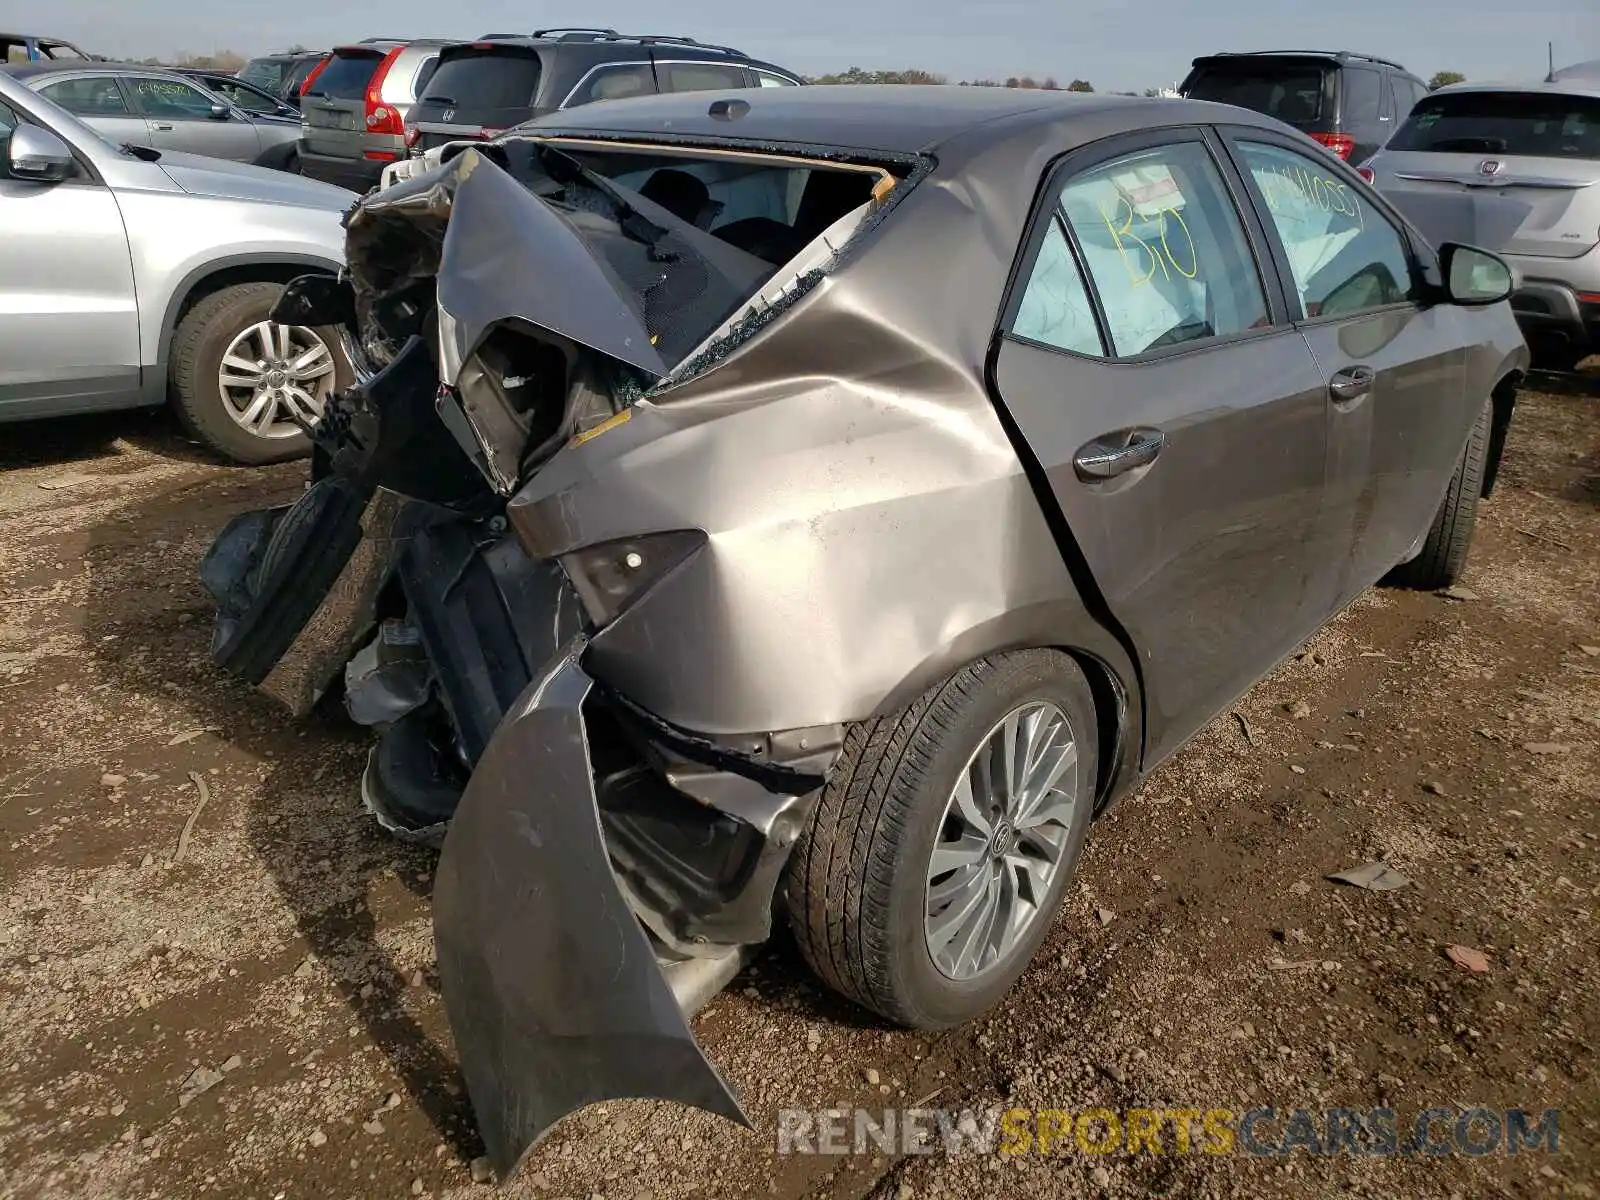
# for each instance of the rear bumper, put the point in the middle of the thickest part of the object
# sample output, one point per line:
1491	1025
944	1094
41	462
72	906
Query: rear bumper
556	995
358	174
603	873
1549	311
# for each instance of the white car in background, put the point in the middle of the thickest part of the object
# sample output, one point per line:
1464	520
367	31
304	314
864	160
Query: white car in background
1529	156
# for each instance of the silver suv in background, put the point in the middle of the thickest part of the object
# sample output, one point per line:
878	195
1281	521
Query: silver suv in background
1536	147
354	107
131	276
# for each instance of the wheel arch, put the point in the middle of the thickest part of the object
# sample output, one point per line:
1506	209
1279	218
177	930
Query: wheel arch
1063	625
212	277
1504	397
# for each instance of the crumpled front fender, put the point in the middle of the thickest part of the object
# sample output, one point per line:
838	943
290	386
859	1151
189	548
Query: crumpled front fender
551	984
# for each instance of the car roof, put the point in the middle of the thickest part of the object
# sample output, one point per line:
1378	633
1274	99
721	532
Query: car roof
1332	56
1561	87
898	119
85	66
385	45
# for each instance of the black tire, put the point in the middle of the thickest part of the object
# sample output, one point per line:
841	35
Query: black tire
198	344
1444	551
855	885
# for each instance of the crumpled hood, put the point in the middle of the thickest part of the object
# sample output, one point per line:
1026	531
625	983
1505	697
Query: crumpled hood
221	179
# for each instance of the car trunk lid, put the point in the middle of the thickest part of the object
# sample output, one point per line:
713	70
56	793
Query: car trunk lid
477	91
334	109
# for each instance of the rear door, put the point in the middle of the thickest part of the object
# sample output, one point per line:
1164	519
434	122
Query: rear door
476	90
183	118
1394	371
1179	418
102	102
1541	149
333	109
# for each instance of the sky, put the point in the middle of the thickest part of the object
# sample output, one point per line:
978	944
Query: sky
1124	47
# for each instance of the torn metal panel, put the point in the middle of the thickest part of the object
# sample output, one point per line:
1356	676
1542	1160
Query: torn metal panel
553	989
325	643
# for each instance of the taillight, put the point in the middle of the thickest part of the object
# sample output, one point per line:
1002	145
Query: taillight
413	136
381	117
1341	144
315	71
1366	174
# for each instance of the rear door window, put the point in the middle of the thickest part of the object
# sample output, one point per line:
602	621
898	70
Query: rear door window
97	96
347	75
1165	249
1536	124
1290	91
1361	91
700	76
767	79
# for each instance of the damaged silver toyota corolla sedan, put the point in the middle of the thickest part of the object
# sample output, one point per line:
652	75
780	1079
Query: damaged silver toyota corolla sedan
816	505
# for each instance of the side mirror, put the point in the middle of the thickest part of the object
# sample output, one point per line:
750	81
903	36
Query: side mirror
219	112
1474	277
38	155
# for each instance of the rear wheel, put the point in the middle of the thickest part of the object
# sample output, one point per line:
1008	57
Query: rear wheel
238	379
939	851
1444	551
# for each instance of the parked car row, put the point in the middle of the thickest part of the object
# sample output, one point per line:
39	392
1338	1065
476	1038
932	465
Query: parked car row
1527	153
372	103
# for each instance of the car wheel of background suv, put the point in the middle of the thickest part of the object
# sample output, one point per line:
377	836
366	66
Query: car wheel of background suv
236	376
1444	551
939	850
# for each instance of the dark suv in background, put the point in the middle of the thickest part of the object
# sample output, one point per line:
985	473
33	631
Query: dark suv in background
1349	102
282	74
483	87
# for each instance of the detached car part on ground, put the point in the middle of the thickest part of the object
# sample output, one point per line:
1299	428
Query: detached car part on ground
832	551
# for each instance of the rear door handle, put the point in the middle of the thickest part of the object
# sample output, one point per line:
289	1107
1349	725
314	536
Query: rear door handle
164	126
1351	384
1118	453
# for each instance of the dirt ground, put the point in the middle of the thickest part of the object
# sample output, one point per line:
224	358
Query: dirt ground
263	936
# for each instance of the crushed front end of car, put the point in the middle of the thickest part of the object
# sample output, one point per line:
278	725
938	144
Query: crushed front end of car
605	863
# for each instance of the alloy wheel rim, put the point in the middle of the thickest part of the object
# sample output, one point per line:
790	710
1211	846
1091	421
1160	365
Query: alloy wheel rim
271	373
1001	841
